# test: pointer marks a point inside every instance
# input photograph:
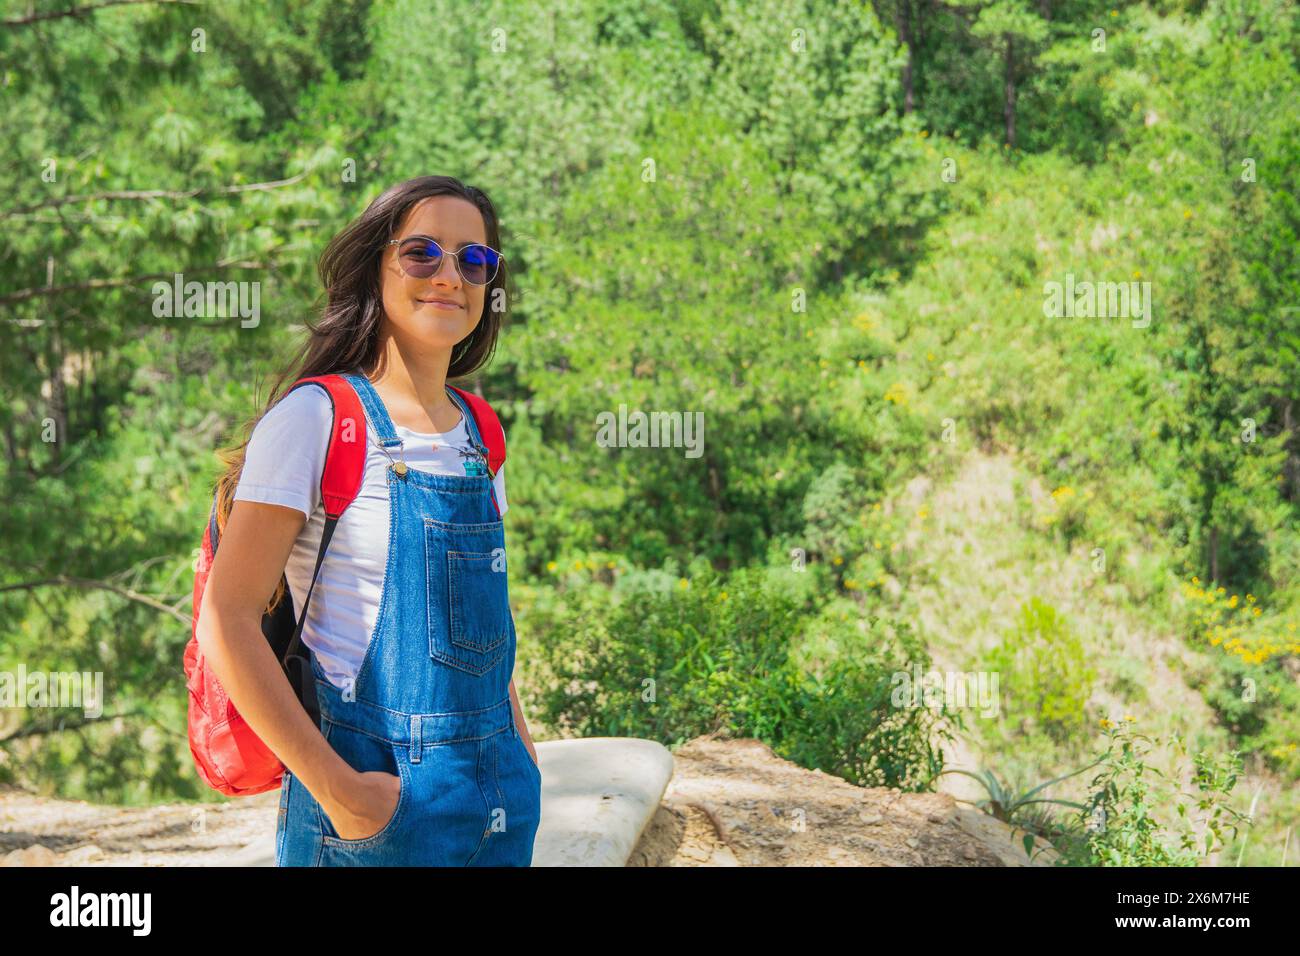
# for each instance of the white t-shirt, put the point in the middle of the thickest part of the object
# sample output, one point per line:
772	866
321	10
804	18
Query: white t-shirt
282	466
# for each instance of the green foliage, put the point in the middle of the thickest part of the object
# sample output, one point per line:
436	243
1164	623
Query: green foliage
832	511
1260	705
711	322
1043	672
714	655
1127	819
1023	808
813	84
1133	814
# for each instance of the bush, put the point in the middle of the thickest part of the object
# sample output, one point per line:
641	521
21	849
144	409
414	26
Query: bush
1127	820
714	655
1043	672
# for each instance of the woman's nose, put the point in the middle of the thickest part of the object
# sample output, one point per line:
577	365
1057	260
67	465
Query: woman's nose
448	263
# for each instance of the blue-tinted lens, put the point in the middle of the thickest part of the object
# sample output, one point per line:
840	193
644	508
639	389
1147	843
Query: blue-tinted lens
478	263
421	257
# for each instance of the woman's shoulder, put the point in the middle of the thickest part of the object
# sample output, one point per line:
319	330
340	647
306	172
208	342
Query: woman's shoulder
301	417
285	455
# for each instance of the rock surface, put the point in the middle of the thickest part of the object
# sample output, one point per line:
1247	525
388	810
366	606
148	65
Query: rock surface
736	803
598	795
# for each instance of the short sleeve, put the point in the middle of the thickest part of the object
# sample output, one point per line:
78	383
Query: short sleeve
285	456
499	483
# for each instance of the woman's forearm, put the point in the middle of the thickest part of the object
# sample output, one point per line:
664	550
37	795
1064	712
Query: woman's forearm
520	722
243	661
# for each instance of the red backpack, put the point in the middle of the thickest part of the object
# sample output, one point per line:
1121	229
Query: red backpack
229	756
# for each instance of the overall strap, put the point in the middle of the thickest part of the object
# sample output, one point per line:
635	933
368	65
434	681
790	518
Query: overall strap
375	410
471	424
485	426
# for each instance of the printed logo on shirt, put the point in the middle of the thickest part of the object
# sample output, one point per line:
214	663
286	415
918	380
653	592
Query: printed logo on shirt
473	462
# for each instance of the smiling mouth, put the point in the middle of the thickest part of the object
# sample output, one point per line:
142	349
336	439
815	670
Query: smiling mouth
440	303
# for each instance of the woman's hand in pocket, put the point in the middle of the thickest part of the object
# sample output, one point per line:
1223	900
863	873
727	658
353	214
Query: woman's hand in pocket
370	805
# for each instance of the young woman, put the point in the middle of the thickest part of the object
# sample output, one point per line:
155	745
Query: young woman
422	756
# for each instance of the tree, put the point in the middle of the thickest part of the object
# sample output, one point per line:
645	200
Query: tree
1015	33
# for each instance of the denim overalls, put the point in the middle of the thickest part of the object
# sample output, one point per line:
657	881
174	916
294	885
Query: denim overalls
431	702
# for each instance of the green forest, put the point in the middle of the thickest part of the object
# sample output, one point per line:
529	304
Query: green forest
990	310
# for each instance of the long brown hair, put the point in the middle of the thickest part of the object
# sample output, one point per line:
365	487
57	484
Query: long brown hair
346	338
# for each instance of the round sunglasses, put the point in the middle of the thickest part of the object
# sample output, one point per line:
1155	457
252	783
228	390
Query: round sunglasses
421	257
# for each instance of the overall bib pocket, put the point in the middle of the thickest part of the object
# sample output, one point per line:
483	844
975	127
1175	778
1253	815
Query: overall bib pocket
365	753
470	625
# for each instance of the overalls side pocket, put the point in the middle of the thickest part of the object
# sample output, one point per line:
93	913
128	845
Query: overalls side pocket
364	752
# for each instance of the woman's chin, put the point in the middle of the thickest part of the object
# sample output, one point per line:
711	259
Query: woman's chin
455	325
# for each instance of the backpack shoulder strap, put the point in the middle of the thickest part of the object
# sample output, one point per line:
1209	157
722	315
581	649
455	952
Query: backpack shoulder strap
489	426
340	481
345	458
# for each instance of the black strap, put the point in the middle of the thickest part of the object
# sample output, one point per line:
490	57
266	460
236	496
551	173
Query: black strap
297	657
214	533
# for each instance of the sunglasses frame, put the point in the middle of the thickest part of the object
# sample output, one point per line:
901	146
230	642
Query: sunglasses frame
454	255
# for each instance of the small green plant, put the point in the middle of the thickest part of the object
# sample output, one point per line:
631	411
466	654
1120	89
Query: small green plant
1044	672
1006	804
1126	820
